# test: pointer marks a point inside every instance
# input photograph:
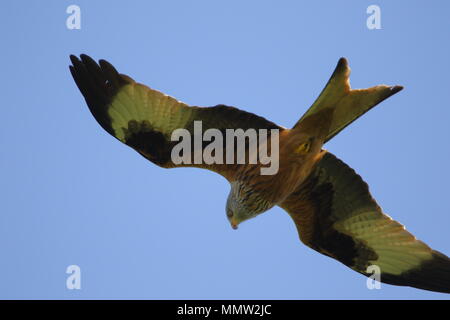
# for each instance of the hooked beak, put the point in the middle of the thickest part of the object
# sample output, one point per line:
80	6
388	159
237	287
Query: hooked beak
234	224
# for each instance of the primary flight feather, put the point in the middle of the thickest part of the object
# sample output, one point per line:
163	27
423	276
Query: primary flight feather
329	203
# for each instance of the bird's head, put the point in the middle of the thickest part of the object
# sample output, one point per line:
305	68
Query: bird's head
243	204
236	213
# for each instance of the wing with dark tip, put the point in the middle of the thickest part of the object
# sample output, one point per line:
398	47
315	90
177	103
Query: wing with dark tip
336	216
144	118
349	103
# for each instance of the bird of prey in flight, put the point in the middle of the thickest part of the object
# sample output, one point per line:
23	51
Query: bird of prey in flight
328	201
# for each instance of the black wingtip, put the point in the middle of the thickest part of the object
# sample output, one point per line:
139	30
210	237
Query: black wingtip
96	85
432	275
84	56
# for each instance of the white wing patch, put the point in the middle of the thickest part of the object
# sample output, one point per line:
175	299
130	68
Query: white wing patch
138	102
398	250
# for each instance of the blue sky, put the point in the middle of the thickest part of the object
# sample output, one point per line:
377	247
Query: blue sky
71	194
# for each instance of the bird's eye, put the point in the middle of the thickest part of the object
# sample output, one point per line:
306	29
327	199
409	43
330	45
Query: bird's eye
229	213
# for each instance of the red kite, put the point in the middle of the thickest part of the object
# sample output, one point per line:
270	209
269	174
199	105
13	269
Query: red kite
329	203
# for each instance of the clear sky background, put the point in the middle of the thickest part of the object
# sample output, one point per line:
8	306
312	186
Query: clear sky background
71	194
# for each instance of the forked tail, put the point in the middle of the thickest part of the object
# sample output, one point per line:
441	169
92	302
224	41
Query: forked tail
349	104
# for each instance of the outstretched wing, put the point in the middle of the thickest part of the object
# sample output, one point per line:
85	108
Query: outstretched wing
349	104
336	216
144	118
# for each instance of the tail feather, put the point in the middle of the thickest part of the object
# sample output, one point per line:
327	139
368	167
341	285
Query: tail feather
349	104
